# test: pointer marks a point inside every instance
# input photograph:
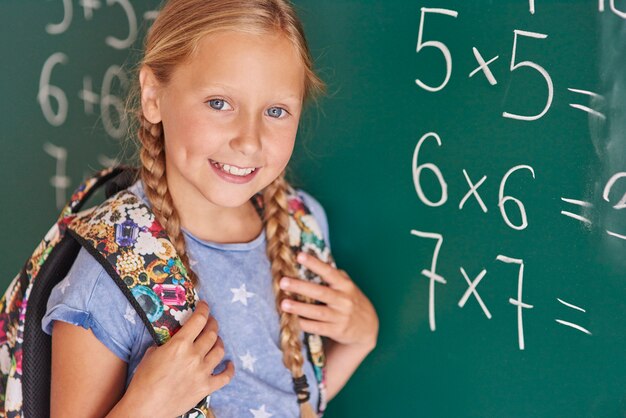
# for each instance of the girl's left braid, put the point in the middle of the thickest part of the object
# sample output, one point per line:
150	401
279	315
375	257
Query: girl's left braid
282	261
153	174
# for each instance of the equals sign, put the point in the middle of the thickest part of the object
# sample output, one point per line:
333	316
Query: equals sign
585	108
571	324
573	215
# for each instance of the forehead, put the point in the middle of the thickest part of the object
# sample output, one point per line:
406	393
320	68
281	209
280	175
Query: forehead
244	61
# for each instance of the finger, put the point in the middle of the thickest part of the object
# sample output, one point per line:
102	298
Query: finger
307	310
207	338
324	329
314	291
328	273
215	355
195	323
218	381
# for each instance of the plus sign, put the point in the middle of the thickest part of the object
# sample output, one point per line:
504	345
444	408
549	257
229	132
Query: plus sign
88	7
150	15
88	96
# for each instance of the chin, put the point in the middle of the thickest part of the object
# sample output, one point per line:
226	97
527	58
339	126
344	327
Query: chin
229	199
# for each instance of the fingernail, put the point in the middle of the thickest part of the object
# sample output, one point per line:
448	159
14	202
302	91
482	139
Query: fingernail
286	305
202	302
301	257
284	283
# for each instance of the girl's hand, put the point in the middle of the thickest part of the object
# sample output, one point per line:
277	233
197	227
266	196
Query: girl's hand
347	317
171	379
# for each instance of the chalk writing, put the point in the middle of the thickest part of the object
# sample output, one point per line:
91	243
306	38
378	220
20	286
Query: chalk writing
471	290
417	171
512	209
432	274
101	93
129	11
518	302
88	7
473	191
571	324
58	28
538	68
48	91
585	108
435	44
60	181
484	67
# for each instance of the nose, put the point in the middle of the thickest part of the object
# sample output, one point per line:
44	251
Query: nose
247	139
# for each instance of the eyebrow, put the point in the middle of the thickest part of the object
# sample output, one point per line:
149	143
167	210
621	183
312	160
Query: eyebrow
286	96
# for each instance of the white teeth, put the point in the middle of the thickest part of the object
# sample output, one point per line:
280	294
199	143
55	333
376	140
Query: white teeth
234	170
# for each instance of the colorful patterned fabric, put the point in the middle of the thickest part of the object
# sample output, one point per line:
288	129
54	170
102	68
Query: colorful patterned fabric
14	303
124	236
306	236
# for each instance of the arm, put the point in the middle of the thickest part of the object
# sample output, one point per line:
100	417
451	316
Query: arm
341	362
87	378
346	317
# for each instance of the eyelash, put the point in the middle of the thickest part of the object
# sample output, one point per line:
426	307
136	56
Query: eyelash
226	102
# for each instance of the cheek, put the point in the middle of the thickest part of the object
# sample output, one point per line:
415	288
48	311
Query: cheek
188	134
282	146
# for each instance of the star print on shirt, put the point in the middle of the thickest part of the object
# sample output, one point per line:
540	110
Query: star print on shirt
64	284
248	361
241	295
130	314
261	412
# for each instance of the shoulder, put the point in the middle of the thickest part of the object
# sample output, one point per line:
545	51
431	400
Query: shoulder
312	203
89	297
80	282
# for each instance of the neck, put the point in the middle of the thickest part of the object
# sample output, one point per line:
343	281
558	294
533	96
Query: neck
210	222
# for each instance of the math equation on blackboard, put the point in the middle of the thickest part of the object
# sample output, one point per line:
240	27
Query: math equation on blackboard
511	210
102	96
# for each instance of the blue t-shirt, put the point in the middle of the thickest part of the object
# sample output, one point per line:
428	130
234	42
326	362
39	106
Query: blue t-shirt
235	280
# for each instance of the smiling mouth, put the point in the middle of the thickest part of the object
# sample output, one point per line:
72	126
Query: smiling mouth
233	170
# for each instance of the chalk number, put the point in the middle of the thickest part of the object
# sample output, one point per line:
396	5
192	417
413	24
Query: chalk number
435	44
538	68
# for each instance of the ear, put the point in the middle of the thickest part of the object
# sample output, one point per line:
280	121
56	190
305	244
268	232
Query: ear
149	95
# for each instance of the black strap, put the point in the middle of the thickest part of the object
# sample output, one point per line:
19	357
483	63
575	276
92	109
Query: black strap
301	386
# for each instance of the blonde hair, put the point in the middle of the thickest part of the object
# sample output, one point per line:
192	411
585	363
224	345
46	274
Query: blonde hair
172	40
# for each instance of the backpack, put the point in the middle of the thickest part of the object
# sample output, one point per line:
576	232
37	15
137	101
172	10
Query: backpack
154	282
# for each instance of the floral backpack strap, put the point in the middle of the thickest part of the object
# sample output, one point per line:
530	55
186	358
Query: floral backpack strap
306	236
124	236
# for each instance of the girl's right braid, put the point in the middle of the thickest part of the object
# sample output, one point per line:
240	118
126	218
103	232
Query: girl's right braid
153	174
283	264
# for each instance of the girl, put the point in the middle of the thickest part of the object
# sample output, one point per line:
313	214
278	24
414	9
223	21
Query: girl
222	86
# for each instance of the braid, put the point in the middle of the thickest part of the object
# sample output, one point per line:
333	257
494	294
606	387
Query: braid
283	264
152	172
152	157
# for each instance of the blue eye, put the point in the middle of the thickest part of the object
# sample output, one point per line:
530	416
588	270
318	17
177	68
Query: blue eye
218	104
276	112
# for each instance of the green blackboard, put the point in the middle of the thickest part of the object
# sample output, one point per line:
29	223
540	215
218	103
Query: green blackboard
485	219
